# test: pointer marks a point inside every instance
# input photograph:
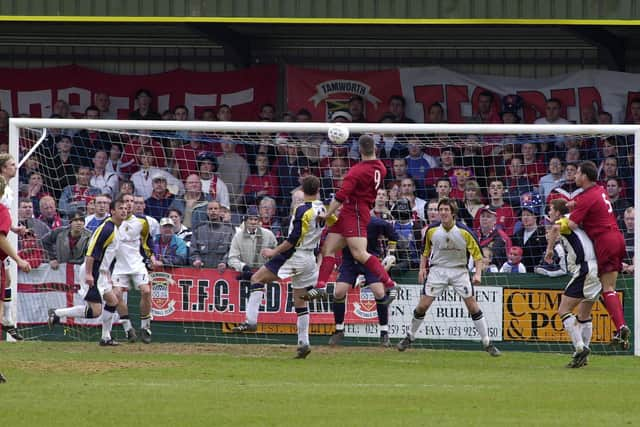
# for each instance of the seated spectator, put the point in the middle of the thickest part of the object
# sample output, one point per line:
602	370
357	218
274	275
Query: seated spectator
145	110
531	238
67	244
356	109
103	103
26	219
446	169
179	229
471	203
516	182
192	199
143	178
133	150
158	203
568	190
555	177
35	190
187	155
211	183
609	169
486	112
211	240
49	213
93	221
458	183
75	197
247	243
408	192
106	182
32	165
534	169
262	183
267	113
618	203
431	212
393	190
443	188
127	187
514	264
269	219
169	249
114	160
492	236
139	206
487	261
289	167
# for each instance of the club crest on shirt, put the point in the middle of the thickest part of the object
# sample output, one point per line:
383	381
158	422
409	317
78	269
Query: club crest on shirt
161	304
365	307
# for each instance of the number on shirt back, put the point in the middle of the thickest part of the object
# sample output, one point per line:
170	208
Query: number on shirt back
377	179
607	202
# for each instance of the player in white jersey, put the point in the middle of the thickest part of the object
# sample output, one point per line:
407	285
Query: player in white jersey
447	246
96	270
295	257
132	258
8	170
583	287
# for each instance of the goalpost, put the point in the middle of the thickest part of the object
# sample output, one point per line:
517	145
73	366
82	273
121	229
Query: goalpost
203	304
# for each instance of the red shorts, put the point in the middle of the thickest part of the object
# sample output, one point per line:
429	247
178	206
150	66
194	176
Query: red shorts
610	251
351	224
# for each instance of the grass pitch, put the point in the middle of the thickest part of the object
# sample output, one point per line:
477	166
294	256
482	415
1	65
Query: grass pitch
69	384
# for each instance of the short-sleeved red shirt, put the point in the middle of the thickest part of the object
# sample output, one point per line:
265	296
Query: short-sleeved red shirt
5	227
360	186
593	212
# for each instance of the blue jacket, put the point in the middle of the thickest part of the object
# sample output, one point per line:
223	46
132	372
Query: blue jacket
175	253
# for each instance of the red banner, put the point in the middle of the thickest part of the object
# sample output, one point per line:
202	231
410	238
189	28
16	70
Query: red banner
35	91
196	295
322	92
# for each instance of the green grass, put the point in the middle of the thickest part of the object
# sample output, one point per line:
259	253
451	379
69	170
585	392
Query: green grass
71	384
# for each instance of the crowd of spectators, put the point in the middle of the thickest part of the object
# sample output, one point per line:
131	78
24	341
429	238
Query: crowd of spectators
198	190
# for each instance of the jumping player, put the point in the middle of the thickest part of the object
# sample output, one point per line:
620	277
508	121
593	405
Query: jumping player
355	200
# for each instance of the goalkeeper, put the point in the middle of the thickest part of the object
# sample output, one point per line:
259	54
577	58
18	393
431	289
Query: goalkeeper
352	273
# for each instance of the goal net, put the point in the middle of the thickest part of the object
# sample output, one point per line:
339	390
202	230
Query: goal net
502	177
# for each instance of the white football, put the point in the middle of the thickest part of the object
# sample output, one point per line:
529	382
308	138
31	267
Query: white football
338	134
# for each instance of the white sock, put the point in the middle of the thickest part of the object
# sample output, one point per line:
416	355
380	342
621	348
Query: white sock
107	324
303	328
571	326
145	323
75	311
384	328
483	331
339	327
7	318
126	325
415	325
253	307
586	330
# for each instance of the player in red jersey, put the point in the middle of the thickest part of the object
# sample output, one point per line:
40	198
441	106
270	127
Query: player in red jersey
591	210
355	199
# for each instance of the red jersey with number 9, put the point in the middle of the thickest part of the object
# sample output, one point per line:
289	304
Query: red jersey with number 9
360	186
593	212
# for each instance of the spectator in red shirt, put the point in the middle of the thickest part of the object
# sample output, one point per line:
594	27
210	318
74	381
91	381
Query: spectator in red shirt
49	213
505	216
132	151
534	168
262	183
446	169
187	156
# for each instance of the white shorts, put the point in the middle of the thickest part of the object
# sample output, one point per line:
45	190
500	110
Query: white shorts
439	278
102	285
586	285
125	280
301	268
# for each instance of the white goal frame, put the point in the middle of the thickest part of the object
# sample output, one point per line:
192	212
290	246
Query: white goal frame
274	127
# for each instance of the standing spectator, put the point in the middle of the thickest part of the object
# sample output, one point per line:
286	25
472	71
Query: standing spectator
144	110
160	200
472	203
262	183
408	191
67	244
446	169
267	113
516	182
289	170
492	236
356	109
211	183
443	188
26	219
211	240
381	205
608	170
187	156
168	248
87	141
397	105
389	146
35	190
553	108
135	148
93	221
179	229
514	262
224	113
268	218
554	179
530	238
486	113
418	164
432	213
534	168
103	103
75	197
233	169
569	189
618	203
49	213
506	218
114	162
246	245
106	182
192	202
409	231
143	178
331	184
459	182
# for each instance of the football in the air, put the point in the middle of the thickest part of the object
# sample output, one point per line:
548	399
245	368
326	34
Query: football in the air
338	134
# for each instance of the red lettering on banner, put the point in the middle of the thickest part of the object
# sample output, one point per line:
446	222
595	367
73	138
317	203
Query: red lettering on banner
567	99
534	104
456	96
589	96
427	95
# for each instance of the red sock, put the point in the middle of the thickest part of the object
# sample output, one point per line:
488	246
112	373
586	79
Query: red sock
374	265
326	268
612	303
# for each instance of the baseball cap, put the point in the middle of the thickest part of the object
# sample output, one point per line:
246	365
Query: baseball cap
252	211
341	115
158	177
489	209
166	221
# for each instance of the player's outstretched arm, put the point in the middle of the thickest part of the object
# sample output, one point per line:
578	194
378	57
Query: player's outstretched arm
333	207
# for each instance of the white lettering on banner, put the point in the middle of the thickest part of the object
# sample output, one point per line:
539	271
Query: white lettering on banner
5	101
326	88
237	98
164	103
118	103
193	100
76	105
36	97
447	317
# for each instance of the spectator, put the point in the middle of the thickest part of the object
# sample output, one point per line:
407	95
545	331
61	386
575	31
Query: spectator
381	205
67	244
234	170
506	218
139	206
605	118
127	187
356	109
262	183
224	113
553	109
418	164
131	160
471	204
187	156
211	240
517	182
114	162
106	182
588	115
534	169
486	113
514	264
393	190
143	178
193	202
144	110
103	103
399	170
409	246
554	179
443	188
492	236
267	113
93	221
62	167
459	182
35	190
179	229
87	141
160	200
397	105
628	233
30	248
75	197
268	217
432	213
247	243
208	115
531	238
618	203
408	191
331	184
49	213
289	168
568	190
446	169
211	183
169	249
26	219
609	169
389	146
